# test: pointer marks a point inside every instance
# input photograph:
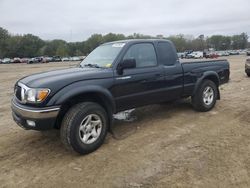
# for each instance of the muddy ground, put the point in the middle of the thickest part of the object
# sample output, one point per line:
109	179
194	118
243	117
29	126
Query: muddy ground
168	145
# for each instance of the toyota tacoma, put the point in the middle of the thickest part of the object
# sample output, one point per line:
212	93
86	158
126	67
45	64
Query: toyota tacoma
114	77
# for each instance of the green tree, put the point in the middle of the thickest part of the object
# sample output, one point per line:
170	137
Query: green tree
62	50
240	41
4	37
179	41
92	42
51	47
29	46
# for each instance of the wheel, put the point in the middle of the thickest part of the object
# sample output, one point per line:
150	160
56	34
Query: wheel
205	97
84	127
248	74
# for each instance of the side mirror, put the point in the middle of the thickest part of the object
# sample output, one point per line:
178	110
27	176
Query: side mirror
126	64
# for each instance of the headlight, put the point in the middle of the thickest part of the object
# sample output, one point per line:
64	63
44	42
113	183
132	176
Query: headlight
36	95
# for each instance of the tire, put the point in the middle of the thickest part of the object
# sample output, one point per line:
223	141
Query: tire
75	127
248	74
205	102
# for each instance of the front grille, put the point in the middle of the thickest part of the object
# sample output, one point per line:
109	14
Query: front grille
18	92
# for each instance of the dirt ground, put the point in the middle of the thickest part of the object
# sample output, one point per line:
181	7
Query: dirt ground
168	145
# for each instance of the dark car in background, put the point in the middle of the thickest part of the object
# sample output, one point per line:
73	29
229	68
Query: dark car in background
34	60
56	59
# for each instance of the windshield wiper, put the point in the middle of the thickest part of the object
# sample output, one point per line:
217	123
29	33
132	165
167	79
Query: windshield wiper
91	65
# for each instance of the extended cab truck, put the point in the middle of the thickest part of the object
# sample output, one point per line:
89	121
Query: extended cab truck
114	77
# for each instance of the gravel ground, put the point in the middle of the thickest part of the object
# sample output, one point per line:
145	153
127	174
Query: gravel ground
167	145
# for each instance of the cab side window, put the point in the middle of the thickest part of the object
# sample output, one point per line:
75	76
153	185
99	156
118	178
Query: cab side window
143	53
167	54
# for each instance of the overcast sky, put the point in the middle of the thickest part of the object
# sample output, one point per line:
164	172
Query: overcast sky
76	20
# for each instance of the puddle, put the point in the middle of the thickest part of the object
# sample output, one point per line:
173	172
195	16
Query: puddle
123	127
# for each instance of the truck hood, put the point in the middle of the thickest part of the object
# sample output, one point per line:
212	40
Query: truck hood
60	78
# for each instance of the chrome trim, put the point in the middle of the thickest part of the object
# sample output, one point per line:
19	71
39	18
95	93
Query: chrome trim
49	112
123	78
25	88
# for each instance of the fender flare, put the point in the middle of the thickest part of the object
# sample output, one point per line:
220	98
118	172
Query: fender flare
76	89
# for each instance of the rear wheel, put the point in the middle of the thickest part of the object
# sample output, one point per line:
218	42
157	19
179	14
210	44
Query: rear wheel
84	127
205	97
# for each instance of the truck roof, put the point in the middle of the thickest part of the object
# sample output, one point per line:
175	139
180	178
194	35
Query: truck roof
138	40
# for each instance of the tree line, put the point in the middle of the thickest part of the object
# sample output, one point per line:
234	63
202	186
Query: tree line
29	45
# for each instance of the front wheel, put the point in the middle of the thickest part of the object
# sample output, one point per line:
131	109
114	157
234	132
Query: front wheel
84	127
205	97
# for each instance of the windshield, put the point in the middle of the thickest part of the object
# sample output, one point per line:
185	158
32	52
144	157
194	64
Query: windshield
103	56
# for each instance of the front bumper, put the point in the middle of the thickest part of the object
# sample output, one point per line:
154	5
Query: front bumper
42	118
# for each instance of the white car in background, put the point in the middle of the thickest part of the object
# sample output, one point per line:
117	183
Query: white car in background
75	58
248	52
65	59
196	55
222	53
6	60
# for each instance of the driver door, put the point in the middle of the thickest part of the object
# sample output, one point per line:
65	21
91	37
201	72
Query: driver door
141	85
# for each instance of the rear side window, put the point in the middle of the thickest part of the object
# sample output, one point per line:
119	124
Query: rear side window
167	55
143	53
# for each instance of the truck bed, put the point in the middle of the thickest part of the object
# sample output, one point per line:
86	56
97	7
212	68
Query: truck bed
195	69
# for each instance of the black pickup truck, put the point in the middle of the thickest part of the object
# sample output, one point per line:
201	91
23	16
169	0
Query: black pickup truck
114	77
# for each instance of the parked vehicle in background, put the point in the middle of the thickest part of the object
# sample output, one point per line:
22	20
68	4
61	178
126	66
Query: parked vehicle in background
34	60
233	52
76	58
196	55
0	61
6	60
248	52
212	55
187	52
16	60
116	76
44	60
242	52
247	67
47	59
24	60
82	57
181	55
56	59
65	59
222	53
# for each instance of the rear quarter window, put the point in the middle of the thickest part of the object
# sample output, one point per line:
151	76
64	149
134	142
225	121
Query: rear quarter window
167	54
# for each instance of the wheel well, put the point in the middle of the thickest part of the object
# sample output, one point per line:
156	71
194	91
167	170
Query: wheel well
213	79
86	97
